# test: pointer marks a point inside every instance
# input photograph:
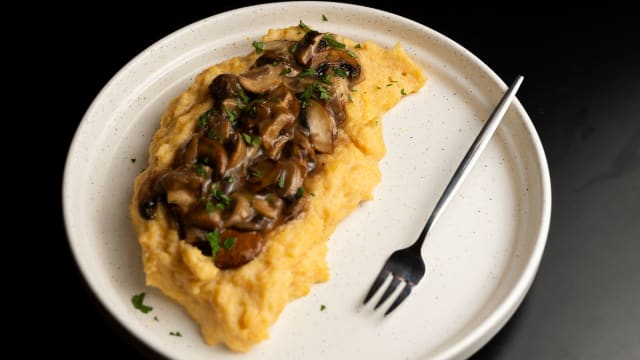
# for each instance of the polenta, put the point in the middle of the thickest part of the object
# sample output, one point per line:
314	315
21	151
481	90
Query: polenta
253	167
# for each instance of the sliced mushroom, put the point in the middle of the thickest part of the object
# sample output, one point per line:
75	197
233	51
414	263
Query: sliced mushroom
230	104
182	199
291	178
312	43
262	173
219	128
194	235
299	84
243	247
214	154
262	79
321	127
200	216
183	178
238	153
337	62
242	211
188	153
339	93
224	86
276	131
270	206
296	207
276	52
301	151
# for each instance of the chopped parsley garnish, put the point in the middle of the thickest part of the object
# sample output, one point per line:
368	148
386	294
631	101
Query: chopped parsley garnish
208	206
229	242
312	194
300	192
326	79
352	54
251	141
200	170
402	92
133	160
137	301
255	173
155	318
232	115
281	182
293	48
259	45
175	333
333	42
285	71
389	84
305	95
243	97
220	206
323	307
308	72
228	179
339	71
324	18
304	26
378	87
323	92
213	238
202	121
219	195
358	46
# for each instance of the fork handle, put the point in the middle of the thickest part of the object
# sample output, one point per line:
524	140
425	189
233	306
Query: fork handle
470	157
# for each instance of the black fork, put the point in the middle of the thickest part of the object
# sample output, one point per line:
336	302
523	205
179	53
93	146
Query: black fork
406	265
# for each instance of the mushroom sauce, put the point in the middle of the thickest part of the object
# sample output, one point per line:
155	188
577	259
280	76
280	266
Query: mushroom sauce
241	173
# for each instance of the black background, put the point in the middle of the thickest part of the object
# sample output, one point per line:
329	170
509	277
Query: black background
581	89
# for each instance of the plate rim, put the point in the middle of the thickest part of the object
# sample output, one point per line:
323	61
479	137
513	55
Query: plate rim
474	339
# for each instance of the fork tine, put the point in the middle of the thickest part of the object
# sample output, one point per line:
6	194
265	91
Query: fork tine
403	295
382	276
394	284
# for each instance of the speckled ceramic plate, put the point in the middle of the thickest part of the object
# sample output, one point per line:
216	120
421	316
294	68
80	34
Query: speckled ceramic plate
482	255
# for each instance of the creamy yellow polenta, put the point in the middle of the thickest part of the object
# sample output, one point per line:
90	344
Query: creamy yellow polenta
237	306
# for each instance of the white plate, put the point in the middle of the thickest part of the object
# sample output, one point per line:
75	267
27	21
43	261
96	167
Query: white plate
482	255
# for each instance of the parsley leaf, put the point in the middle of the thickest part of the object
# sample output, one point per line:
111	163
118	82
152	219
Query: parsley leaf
175	333
281	182
259	45
208	206
200	170
300	192
202	120
323	307
333	42
137	301
339	71
285	71
232	115
304	26
229	242
402	92
308	72
324	18
213	238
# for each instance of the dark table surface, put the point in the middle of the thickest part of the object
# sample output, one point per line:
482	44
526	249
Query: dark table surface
582	91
